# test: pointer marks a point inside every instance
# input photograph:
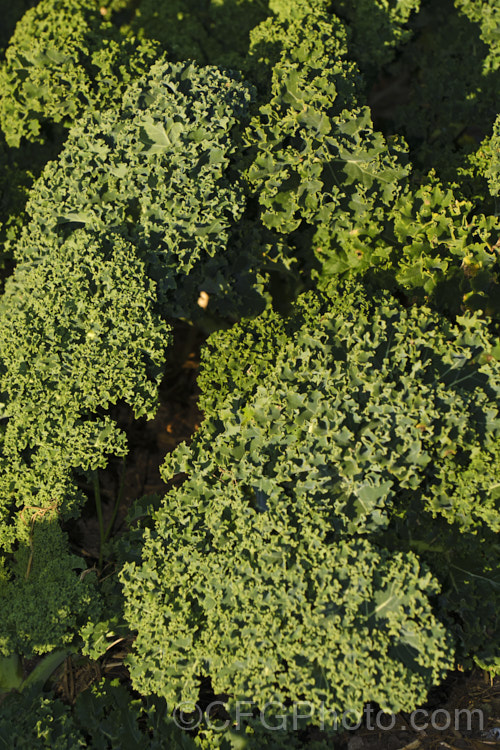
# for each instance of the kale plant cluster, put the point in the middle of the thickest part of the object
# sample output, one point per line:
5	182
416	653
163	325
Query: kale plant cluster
314	185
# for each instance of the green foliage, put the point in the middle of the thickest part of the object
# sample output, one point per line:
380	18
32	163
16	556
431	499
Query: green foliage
434	387
335	538
312	82
274	613
10	13
486	13
378	27
342	194
11	672
302	41
18	170
428	388
467	565
425	239
153	241
46	602
114	719
323	176
318	430
364	176
487	160
34	721
215	32
98	341
158	170
446	251
105	717
62	60
429	242
443	97
110	8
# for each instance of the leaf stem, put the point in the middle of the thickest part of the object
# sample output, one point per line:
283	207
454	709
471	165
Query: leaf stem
98	505
118	501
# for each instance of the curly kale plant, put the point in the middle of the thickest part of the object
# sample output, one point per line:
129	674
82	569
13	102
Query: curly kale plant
62	60
271	609
420	399
326	180
79	333
158	169
343	197
267	569
64	363
378	27
215	32
429	388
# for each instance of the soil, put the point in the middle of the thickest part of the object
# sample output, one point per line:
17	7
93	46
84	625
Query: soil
461	714
177	419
